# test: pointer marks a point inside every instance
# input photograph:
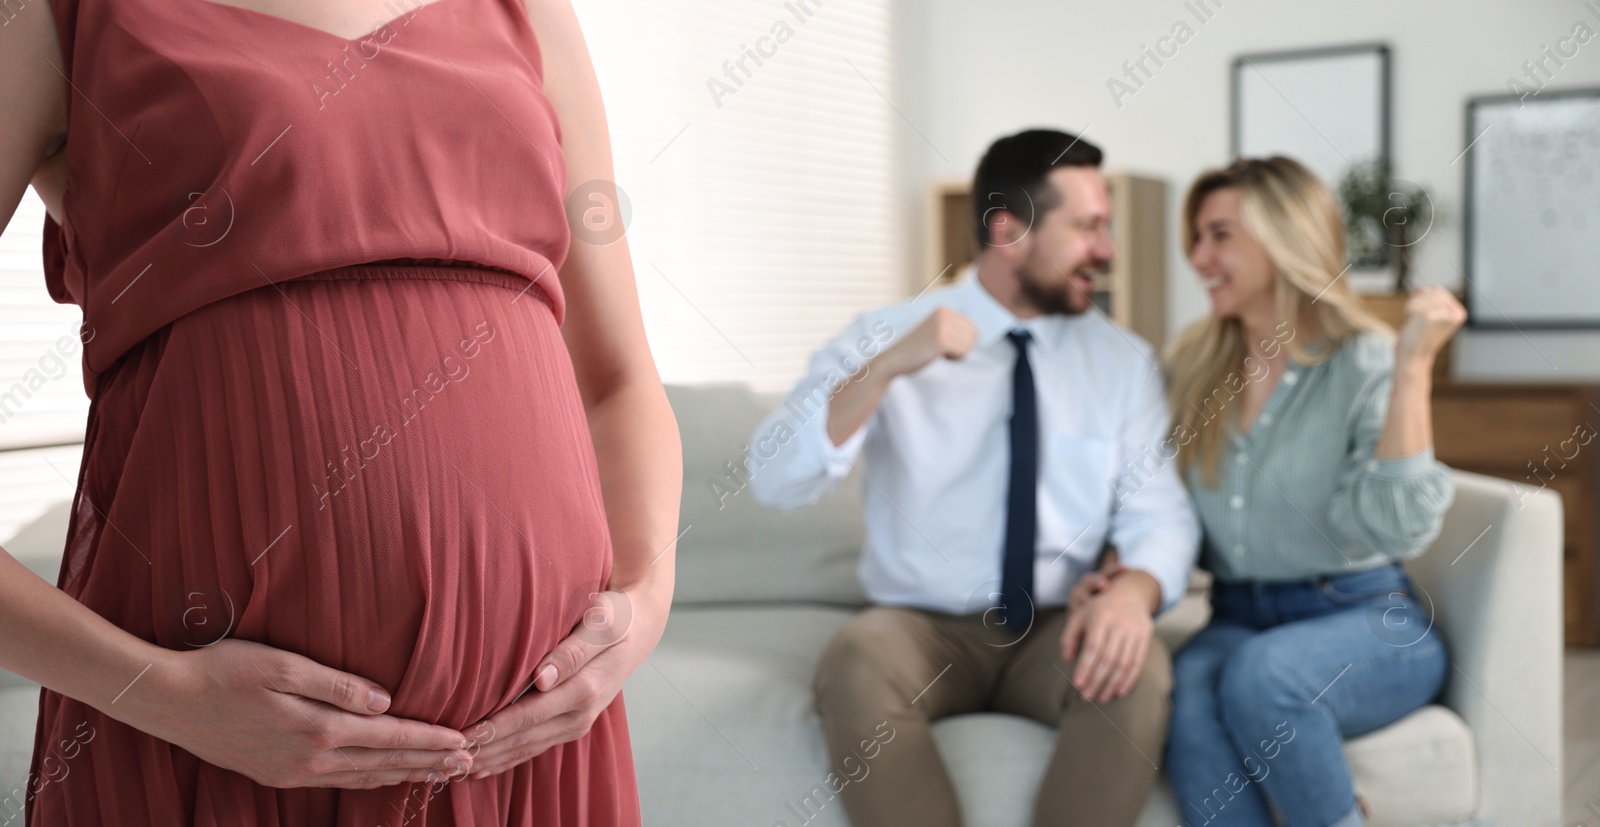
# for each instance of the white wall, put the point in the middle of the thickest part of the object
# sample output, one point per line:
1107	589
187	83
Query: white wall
973	71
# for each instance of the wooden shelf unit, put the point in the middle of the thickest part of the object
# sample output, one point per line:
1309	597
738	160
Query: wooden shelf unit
1543	436
1134	291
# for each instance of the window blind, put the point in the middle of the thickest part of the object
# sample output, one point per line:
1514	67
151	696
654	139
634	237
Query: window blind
753	143
42	402
41	377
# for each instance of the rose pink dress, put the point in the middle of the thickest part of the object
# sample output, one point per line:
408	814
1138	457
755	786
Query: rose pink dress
331	407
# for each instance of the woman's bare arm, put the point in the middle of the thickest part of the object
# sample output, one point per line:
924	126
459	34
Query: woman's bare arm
277	717
49	637
1432	317
635	434
33	101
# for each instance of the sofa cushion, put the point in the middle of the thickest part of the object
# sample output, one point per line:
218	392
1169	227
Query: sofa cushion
19	712
724	732
1430	750
732	548
41	541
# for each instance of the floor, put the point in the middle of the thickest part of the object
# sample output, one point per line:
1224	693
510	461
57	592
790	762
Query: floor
1581	800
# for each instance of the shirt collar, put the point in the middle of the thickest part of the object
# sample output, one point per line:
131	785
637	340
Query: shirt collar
991	317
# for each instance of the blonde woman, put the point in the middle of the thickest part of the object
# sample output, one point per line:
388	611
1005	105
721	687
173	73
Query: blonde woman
1303	426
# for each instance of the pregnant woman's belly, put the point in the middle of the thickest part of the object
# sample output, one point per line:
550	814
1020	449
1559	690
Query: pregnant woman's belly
392	476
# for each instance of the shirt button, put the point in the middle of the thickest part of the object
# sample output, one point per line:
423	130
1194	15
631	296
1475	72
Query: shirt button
1240	458
1238	551
1266	419
1237	502
1372	465
1290	378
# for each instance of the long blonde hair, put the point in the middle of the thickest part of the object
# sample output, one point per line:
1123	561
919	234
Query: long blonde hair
1296	219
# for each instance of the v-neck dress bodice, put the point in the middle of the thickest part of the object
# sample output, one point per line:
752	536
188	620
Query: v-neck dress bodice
213	149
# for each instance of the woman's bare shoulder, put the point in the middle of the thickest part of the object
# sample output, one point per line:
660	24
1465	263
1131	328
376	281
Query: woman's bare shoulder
33	91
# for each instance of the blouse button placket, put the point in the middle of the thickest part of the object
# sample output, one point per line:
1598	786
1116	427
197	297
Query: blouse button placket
1236	500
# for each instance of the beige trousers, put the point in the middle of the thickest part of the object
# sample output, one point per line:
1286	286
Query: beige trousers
890	671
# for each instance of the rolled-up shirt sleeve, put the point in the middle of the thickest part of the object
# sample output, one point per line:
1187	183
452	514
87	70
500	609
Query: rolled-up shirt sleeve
793	460
1153	522
1394	506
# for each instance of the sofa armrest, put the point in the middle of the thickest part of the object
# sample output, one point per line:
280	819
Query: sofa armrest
1493	580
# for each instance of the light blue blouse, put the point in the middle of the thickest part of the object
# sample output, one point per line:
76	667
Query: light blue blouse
1301	496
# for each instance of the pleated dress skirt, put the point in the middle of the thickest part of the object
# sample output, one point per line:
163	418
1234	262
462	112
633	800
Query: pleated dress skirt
385	468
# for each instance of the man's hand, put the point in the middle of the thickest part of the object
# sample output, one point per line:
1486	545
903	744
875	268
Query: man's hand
1092	584
1108	631
946	333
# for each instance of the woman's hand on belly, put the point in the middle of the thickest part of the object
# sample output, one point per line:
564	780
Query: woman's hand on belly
588	668
284	720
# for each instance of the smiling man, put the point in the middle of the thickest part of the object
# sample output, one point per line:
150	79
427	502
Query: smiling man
997	428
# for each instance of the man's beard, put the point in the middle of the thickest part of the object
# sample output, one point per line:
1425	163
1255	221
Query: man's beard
1051	299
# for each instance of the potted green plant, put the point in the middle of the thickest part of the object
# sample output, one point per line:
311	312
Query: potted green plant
1385	219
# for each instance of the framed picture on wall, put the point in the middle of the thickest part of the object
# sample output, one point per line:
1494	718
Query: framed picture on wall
1327	108
1531	234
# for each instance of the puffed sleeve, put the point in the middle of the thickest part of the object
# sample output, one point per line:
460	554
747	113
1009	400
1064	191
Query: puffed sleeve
1394	506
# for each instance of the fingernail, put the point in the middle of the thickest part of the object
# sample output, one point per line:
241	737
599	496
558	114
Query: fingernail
377	700
465	744
481	775
547	676
433	777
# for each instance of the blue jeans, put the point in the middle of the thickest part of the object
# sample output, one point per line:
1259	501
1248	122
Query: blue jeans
1266	693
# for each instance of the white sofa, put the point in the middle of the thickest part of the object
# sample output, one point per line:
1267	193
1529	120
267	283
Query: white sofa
722	723
724	732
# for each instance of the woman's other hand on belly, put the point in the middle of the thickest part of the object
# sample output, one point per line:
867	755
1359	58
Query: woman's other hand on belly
575	682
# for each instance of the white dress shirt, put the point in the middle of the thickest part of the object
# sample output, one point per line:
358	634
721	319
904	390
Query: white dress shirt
937	456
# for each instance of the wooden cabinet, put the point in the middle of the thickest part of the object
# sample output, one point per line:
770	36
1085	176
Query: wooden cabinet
1133	292
1544	436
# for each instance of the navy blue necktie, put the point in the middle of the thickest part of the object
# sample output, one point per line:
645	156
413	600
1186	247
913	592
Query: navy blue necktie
1016	581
